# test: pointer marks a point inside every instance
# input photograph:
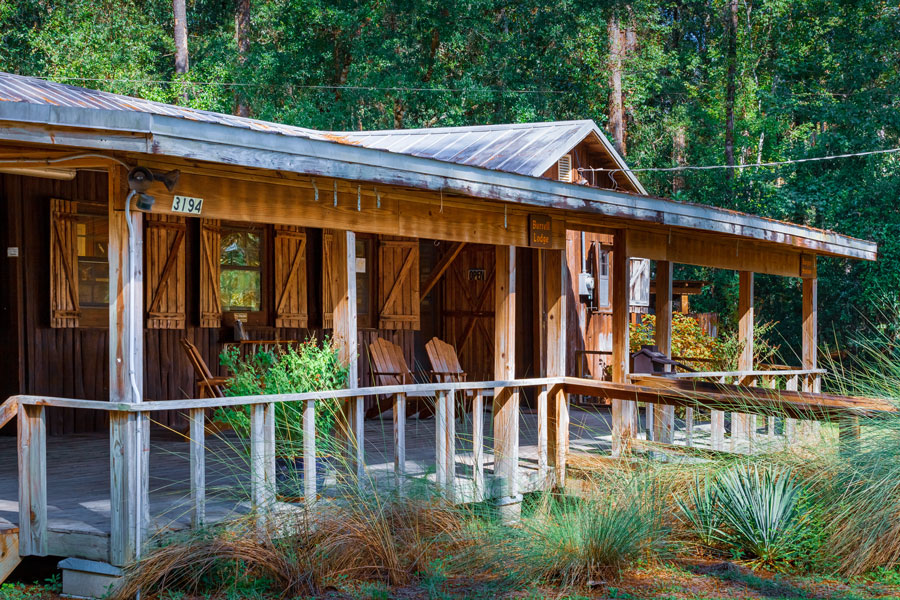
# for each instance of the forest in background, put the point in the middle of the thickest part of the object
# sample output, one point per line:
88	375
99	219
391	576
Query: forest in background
673	82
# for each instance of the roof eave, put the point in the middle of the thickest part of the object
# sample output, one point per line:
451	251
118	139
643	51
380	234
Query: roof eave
171	136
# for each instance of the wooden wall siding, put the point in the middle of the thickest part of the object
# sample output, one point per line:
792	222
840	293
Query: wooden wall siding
329	283
64	308
291	309
210	299
398	283
468	310
165	271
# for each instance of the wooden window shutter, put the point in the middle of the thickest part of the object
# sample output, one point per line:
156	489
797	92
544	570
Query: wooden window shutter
329	283
64	308
290	277
164	276
210	298
398	283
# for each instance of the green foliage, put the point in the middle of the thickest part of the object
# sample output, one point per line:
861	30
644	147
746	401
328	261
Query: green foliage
312	367
700	510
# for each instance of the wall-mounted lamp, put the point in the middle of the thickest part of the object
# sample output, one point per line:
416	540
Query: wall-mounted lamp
140	179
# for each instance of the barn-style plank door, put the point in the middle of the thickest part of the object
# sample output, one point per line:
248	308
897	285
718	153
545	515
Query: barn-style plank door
290	277
398	283
164	280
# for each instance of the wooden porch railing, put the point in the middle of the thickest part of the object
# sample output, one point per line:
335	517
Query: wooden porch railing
552	438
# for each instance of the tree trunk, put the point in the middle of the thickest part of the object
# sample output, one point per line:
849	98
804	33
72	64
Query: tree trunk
616	104
181	42
242	39
731	23
678	146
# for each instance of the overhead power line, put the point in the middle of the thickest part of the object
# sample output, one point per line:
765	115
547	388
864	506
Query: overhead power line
747	166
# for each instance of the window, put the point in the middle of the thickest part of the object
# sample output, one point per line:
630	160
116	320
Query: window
602	286
92	243
241	273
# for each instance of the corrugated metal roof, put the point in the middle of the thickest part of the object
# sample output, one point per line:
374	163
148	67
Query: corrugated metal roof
522	148
18	88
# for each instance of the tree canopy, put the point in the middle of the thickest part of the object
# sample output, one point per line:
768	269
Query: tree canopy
703	82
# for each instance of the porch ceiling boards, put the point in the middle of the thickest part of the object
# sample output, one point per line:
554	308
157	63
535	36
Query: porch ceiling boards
37	111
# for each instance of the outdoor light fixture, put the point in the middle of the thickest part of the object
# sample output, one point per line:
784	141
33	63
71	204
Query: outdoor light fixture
140	179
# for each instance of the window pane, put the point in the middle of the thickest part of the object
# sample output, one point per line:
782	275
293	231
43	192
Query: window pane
241	290
92	238
240	248
240	278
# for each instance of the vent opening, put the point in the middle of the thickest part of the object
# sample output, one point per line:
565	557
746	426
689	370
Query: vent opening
564	168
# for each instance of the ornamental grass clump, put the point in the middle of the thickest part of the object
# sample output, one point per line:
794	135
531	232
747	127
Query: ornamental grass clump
572	541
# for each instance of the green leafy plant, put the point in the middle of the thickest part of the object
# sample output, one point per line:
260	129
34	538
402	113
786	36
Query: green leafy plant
311	367
759	508
699	510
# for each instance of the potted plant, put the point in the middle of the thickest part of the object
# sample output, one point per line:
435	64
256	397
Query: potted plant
312	367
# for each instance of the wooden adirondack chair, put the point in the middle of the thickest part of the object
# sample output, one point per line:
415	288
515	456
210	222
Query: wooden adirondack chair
389	368
445	365
208	385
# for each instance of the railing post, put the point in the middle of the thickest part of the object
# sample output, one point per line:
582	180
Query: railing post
309	453
440	441
32	441
556	403
262	459
197	417
663	416
717	429
790	425
742	424
478	444
400	439
542	423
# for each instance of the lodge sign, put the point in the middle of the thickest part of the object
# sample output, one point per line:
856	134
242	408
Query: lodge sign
539	231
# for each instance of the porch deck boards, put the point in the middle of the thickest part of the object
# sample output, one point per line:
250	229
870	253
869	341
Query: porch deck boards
78	473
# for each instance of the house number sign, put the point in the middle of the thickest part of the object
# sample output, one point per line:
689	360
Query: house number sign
187	204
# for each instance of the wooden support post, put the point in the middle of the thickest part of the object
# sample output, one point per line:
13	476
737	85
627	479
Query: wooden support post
32	432
624	412
813	383
664	416
742	425
790	425
129	432
717	429
309	454
506	400
557	400
262	460
542	424
450	444
197	418
400	439
345	337
478	444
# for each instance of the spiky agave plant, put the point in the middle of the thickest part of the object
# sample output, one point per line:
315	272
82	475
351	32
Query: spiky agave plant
699	510
759	509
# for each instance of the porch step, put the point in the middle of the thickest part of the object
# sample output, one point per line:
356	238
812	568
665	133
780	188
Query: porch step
9	551
82	578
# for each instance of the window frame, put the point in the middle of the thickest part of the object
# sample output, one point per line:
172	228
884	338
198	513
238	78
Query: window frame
262	316
370	319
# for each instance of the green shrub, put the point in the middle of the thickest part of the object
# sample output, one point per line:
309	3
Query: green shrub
700	510
312	367
759	508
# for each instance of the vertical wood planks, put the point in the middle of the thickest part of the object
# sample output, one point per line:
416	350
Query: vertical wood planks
32	432
556	284
664	416
129	432
197	418
623	411
309	453
506	400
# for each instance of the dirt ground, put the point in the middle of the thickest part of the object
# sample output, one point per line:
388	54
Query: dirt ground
679	579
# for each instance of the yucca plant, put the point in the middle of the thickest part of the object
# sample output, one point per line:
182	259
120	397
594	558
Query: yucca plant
699	510
759	509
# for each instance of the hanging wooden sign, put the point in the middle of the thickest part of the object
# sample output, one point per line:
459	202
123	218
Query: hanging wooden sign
539	231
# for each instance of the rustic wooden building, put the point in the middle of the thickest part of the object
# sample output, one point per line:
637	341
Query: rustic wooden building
130	226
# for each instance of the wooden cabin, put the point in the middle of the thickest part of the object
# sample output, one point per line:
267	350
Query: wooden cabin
130	226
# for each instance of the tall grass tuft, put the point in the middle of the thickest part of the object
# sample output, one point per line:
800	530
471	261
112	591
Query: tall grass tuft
577	541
